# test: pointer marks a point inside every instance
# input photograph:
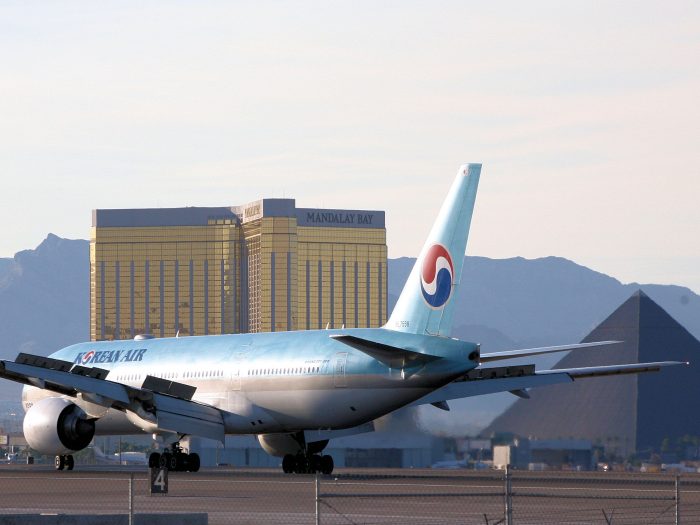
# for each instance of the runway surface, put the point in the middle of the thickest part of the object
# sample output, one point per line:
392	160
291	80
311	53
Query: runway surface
252	496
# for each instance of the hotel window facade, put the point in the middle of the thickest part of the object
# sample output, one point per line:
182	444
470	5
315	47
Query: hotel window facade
262	267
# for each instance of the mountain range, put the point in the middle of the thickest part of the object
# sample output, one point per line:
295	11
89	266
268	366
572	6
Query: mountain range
502	303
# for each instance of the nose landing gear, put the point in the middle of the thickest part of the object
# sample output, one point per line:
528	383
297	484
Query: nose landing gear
64	462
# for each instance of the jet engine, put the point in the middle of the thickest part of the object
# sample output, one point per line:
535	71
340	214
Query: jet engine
57	426
280	444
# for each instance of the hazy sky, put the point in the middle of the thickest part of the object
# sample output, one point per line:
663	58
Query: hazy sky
585	115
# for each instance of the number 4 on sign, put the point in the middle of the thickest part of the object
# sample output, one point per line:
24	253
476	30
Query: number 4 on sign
159	480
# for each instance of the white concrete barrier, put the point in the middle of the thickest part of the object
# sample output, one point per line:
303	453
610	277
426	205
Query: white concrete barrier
194	518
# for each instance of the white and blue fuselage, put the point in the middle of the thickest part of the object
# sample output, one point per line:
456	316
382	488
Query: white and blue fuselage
276	382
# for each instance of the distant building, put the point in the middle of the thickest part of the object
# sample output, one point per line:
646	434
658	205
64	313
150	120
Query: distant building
624	414
556	452
477	449
387	449
540	454
375	449
265	266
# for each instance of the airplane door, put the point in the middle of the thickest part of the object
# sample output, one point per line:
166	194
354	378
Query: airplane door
339	377
237	370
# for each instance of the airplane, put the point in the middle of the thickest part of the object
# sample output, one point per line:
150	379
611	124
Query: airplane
294	390
10	458
125	458
450	464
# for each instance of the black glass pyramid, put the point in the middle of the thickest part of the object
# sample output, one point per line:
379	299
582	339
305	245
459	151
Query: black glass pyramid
625	413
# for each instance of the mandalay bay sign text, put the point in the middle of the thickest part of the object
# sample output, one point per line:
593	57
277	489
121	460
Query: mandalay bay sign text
342	218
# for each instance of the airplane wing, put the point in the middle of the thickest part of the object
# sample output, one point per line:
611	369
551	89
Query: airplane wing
166	404
517	379
526	352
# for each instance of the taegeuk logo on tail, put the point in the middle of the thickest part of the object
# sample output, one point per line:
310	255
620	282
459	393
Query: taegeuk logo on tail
437	273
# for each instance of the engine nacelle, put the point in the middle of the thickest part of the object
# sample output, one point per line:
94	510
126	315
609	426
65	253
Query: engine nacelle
279	444
57	426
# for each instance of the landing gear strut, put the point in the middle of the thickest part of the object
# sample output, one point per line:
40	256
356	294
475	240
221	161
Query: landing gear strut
307	464
175	460
64	462
309	458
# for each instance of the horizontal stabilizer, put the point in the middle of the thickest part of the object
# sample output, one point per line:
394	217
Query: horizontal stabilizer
391	356
513	354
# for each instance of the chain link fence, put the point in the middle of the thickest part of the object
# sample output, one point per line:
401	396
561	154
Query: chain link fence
511	497
228	496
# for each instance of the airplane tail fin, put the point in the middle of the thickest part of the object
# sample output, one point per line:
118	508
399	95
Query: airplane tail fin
426	304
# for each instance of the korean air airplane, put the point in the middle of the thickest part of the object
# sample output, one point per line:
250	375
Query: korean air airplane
294	390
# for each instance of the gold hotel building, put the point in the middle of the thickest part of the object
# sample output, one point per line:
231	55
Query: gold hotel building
265	266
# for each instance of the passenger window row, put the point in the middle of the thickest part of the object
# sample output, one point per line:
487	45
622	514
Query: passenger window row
203	374
285	371
198	374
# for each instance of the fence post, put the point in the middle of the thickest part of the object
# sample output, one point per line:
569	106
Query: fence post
318	506
508	497
678	500
131	498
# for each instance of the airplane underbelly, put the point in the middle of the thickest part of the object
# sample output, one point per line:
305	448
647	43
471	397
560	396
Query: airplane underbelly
115	422
336	408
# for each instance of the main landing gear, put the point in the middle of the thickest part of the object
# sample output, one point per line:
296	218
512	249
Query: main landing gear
175	460
64	462
299	457
307	464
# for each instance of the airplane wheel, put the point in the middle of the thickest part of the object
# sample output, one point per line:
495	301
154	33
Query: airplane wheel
70	462
60	462
165	460
302	465
173	463
315	463
181	462
193	462
154	460
327	465
288	464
